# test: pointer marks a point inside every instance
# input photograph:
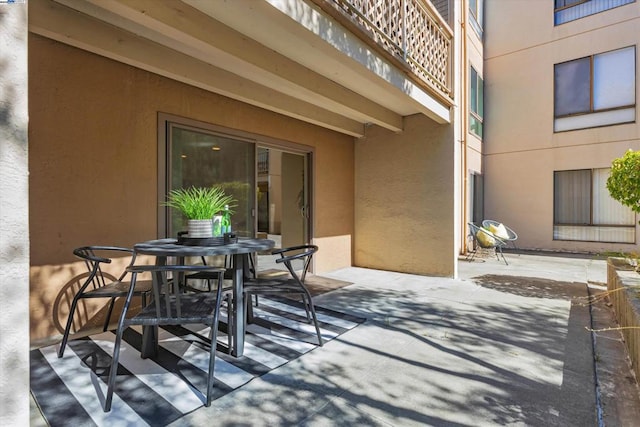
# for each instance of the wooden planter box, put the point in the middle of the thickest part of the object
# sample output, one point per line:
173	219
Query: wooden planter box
626	304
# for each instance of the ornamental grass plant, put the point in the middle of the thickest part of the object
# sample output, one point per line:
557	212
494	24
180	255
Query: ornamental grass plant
199	202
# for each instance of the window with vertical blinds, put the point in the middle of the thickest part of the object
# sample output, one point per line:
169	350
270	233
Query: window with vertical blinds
570	10
583	210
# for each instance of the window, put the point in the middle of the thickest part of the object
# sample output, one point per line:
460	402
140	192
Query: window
477	18
442	6
269	178
476	99
477	198
561	4
583	210
570	10
598	90
202	157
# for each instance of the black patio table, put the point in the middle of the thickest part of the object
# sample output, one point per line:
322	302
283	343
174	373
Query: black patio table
164	248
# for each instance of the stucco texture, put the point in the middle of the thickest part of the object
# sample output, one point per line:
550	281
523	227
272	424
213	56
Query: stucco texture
93	162
405	199
14	236
521	149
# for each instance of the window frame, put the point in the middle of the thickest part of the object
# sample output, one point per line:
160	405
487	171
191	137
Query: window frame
592	100
476	102
592	224
477	16
575	3
583	8
167	120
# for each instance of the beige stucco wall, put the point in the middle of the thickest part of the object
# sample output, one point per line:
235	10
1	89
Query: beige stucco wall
521	150
473	56
93	163
405	199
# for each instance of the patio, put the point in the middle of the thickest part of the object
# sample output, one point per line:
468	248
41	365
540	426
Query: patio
501	345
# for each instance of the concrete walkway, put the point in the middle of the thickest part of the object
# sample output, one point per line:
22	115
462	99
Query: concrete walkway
501	345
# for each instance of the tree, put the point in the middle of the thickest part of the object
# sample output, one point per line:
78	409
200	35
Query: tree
624	182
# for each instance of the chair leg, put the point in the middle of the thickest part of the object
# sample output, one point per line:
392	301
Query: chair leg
113	372
67	329
315	319
213	336
306	308
471	255
230	324
503	258
106	321
248	308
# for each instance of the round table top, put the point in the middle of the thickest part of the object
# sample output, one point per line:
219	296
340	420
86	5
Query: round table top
170	247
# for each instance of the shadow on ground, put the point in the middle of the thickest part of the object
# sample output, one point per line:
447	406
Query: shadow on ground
531	287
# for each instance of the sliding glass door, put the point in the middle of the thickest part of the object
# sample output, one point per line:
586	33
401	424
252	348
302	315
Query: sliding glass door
283	198
269	178
202	158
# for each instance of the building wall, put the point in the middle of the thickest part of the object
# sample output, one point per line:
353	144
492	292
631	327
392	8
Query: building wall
14	214
93	165
404	216
521	151
472	56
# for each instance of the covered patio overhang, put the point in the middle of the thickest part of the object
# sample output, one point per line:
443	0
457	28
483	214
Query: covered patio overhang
285	56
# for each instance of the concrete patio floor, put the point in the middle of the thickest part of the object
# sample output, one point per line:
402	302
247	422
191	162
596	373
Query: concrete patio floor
500	345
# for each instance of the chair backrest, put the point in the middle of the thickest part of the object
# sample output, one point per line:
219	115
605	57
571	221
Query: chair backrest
510	234
95	256
169	299
303	253
484	238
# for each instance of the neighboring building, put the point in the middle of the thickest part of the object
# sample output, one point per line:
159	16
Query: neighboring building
561	83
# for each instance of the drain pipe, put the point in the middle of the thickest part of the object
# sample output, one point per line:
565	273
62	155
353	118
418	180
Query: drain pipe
465	119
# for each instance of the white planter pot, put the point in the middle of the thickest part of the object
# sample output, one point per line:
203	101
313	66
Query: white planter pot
200	228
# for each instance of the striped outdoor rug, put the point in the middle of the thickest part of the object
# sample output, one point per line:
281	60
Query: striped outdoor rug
70	391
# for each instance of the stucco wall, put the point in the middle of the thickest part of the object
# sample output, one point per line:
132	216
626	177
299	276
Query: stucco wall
521	150
93	161
14	235
405	199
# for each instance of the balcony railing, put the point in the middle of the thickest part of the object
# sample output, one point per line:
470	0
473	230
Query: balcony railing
411	32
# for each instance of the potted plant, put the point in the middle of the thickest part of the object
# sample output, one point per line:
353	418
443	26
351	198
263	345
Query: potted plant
199	205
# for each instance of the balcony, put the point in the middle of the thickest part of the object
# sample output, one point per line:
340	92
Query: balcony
411	33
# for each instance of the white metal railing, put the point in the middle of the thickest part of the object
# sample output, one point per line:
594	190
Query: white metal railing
412	31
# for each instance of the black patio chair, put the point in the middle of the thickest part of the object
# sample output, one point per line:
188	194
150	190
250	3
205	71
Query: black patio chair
172	306
210	277
99	284
484	239
291	284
